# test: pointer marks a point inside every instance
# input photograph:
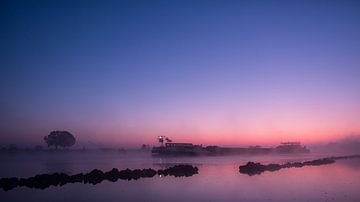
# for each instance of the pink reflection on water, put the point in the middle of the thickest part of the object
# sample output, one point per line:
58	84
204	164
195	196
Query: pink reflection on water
218	180
337	182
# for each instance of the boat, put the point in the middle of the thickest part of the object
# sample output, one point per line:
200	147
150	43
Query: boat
178	149
291	147
189	149
171	148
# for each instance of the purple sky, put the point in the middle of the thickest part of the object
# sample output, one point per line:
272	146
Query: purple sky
211	72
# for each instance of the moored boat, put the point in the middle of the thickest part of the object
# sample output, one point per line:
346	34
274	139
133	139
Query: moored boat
291	147
189	149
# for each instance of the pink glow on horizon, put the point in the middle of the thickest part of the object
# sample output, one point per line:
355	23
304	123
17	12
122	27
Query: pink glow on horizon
226	137
264	126
219	122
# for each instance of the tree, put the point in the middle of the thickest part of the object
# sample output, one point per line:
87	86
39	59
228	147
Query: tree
60	138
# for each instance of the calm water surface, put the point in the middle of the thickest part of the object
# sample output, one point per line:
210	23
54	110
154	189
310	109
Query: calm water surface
218	179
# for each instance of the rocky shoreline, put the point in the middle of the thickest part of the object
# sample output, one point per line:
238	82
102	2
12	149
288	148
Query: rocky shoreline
96	176
252	168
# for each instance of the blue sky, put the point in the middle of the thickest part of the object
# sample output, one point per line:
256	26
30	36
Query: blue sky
116	71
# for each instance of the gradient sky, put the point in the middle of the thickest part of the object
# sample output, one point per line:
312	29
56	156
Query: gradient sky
210	72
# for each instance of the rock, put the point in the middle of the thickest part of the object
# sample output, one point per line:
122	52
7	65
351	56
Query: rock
148	173
76	178
273	167
252	168
125	174
136	174
319	162
181	170
9	183
112	175
94	177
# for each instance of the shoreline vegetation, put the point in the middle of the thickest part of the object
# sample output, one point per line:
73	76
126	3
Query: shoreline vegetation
96	176
252	168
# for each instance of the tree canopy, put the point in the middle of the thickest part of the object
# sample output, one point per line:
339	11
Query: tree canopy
60	138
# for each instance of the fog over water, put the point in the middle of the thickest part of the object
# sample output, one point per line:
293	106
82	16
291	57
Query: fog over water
86	86
218	179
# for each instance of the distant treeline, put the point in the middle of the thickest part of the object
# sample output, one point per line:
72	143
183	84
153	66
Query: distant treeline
38	149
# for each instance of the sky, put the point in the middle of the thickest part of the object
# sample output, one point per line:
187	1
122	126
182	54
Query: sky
121	73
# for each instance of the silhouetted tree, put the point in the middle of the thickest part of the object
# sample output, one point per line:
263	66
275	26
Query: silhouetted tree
60	138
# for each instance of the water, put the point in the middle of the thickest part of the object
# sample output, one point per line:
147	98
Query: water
218	179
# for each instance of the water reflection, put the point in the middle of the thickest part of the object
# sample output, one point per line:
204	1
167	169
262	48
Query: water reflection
218	180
